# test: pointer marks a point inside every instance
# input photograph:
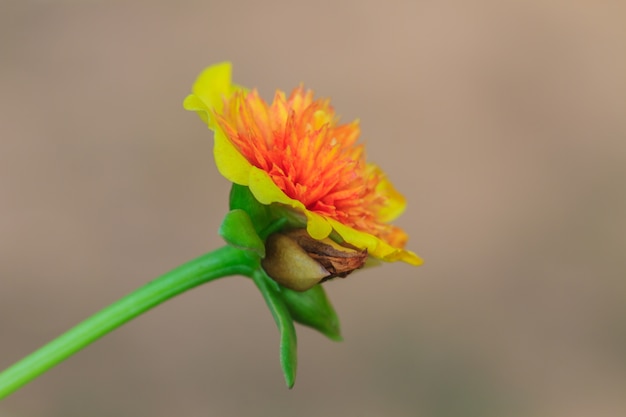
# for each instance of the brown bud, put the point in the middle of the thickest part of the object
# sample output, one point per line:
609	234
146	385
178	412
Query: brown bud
297	261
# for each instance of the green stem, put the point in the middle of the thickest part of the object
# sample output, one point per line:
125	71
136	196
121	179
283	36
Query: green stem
219	263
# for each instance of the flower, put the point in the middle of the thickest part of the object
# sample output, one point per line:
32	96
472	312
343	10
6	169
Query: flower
294	152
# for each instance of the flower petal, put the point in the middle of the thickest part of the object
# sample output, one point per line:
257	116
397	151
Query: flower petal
209	90
267	192
317	226
230	162
375	246
395	202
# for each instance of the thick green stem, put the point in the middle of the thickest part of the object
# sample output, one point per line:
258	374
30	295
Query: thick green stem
219	263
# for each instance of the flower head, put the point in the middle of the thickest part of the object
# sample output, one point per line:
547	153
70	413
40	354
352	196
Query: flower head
294	152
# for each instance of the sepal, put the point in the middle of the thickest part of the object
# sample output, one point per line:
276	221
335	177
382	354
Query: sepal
242	198
238	230
312	308
284	322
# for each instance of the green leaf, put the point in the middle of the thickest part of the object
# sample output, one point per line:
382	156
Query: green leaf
312	308
241	198
238	231
280	311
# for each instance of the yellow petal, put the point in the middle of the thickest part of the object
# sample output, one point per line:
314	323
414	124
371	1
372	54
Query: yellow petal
211	87
375	246
230	163
194	103
267	192
406	256
317	226
395	202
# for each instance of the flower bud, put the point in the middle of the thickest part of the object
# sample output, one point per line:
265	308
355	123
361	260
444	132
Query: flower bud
297	261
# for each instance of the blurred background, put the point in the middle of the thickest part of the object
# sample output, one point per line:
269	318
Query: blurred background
502	122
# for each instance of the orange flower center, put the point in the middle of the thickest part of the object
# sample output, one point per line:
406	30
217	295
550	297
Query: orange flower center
309	156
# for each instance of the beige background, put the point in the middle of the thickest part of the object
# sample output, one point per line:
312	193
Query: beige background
502	122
